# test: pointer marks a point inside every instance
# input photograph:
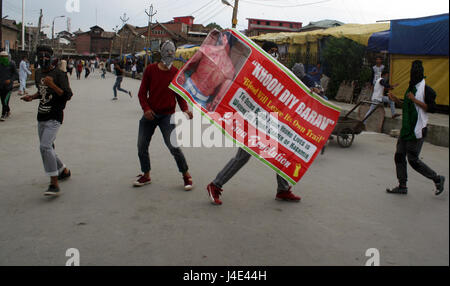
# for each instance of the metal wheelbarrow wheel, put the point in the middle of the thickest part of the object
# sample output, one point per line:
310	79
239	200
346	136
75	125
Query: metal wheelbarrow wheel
345	137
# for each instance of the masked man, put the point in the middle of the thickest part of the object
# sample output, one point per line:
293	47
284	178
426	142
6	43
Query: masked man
8	73
241	158
158	103
53	92
24	72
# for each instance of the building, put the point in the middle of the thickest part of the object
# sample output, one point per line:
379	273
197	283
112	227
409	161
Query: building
10	34
257	27
95	41
323	24
181	30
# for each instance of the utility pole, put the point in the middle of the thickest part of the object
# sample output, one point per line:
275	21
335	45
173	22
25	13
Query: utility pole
124	21
150	15
37	36
1	24
235	11
23	25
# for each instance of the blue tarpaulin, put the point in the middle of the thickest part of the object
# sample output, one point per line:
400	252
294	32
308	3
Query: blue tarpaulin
420	36
379	41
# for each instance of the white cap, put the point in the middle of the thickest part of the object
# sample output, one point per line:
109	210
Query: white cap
3	54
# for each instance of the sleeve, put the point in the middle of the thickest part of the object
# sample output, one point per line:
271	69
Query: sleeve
430	99
63	83
181	102
143	90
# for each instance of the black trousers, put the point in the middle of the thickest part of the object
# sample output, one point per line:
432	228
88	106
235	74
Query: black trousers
5	95
411	150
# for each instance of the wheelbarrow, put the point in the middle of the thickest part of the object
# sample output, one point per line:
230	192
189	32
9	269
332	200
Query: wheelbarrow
346	127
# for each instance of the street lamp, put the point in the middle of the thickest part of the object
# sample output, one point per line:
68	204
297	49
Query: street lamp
53	26
235	10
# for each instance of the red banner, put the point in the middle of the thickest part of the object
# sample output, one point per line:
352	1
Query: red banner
257	102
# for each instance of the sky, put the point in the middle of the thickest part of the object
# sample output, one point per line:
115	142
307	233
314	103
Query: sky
107	13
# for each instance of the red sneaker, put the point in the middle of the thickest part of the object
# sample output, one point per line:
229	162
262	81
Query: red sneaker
142	181
214	194
187	183
287	196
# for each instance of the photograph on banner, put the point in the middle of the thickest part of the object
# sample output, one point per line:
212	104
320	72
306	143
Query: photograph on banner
257	102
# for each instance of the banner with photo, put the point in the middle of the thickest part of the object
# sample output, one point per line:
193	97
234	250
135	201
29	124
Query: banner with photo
257	102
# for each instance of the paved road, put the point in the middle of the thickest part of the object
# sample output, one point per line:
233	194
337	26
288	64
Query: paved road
344	211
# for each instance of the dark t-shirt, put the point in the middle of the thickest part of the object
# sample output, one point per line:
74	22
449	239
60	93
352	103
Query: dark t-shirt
308	81
51	104
118	71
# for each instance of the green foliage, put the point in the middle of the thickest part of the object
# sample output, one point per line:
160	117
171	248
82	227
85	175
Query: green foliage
214	25
344	59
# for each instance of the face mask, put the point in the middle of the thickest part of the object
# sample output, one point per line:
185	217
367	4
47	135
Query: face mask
44	62
168	54
4	61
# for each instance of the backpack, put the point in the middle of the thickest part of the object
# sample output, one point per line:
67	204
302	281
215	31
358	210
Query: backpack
430	99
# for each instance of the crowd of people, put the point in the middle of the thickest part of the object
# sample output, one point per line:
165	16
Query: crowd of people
158	103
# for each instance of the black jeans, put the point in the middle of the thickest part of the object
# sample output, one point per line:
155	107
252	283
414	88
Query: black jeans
5	95
411	150
146	130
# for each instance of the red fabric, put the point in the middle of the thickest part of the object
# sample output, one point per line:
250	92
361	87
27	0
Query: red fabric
155	94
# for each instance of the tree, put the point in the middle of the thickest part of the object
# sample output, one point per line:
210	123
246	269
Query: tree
214	25
344	62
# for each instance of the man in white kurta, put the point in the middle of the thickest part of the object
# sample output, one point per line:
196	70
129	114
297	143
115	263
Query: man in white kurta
23	74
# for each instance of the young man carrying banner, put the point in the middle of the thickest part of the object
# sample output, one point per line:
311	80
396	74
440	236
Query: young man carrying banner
158	103
417	102
53	91
214	189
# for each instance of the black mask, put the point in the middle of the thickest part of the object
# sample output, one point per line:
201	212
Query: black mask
44	61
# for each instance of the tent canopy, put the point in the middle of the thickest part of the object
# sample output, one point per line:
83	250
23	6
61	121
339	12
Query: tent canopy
420	36
379	41
357	32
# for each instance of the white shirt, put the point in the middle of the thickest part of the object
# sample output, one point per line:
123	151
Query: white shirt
378	91
422	116
377	73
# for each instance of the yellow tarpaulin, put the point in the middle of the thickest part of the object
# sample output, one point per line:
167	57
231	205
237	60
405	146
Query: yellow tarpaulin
359	33
436	72
186	54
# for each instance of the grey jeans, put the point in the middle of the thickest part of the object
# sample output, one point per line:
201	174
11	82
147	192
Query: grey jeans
47	131
386	99
235	164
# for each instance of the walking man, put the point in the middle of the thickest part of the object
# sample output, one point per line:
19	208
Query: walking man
118	66
24	72
214	189
53	92
8	73
158	103
419	99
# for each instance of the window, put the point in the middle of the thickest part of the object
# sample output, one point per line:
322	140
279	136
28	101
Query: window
258	22
292	26
267	23
280	24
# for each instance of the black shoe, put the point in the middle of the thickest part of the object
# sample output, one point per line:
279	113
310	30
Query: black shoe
398	190
440	186
64	175
52	191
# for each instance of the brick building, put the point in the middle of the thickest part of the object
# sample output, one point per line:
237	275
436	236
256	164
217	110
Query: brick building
10	34
257	27
95	41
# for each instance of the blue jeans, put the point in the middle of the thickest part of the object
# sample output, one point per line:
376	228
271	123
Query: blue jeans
146	130
385	99
117	86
